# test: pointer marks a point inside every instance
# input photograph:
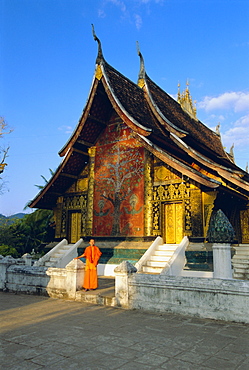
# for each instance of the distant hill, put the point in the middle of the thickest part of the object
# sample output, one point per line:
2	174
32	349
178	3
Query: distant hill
12	218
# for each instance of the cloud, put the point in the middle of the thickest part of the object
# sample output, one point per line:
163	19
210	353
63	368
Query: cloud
119	4
235	101
101	13
128	9
138	21
66	129
238	133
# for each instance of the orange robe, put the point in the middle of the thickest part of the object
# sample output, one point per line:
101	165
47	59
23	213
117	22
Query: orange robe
92	255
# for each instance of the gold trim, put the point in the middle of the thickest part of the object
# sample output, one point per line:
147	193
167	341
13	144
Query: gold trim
98	73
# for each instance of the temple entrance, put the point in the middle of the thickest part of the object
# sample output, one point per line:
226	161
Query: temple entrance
74	227
173	222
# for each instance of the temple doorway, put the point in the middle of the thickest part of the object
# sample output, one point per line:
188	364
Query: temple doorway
173	222
74	227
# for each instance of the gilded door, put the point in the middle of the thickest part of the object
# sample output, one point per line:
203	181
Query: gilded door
75	227
244	219
173	222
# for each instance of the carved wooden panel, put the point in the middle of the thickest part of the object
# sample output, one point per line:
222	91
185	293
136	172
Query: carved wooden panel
244	219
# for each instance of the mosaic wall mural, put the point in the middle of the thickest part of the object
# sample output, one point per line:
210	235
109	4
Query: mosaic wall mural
119	184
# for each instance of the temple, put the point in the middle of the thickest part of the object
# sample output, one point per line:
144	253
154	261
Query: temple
140	164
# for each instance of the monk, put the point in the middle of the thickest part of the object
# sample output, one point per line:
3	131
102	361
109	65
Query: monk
92	255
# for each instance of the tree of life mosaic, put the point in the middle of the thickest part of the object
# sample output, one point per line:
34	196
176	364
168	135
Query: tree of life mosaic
119	189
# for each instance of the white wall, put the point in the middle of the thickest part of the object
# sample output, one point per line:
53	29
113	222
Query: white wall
201	297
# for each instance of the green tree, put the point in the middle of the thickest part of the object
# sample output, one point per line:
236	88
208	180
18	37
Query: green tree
28	233
5	250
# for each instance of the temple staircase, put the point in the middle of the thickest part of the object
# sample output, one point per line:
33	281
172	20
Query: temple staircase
240	262
157	261
60	255
163	258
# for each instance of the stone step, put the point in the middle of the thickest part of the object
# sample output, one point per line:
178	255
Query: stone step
58	254
163	253
155	264
153	270
238	258
167	247
240	251
160	258
97	299
242	264
243	246
240	269
53	259
65	247
49	264
241	276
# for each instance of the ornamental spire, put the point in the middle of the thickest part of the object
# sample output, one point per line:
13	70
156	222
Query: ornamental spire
100	54
185	100
141	75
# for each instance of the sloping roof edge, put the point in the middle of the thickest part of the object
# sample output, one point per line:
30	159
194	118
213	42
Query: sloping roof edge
173	162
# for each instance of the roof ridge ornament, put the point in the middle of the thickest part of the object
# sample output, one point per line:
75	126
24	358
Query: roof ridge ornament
231	153
141	76
217	129
185	100
100	53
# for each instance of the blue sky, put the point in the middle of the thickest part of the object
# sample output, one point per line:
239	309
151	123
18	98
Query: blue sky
47	61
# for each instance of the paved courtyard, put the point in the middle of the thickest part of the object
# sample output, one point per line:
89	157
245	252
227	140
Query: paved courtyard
45	333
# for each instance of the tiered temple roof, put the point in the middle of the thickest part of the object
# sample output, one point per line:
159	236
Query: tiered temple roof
157	121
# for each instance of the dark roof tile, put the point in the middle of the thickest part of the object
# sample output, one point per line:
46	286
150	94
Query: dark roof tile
172	110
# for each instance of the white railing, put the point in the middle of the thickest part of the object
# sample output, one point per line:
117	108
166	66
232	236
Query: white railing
150	251
46	257
69	254
176	263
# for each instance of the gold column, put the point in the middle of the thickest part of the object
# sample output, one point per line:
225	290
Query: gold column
208	205
90	193
244	221
148	195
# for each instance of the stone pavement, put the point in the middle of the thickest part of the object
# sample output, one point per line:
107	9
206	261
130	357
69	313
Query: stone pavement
46	333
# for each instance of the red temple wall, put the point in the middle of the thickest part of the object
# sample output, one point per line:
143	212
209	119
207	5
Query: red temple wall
119	184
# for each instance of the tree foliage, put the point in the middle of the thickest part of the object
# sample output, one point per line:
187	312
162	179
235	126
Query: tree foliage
30	232
40	187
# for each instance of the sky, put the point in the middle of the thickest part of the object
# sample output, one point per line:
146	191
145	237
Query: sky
47	62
